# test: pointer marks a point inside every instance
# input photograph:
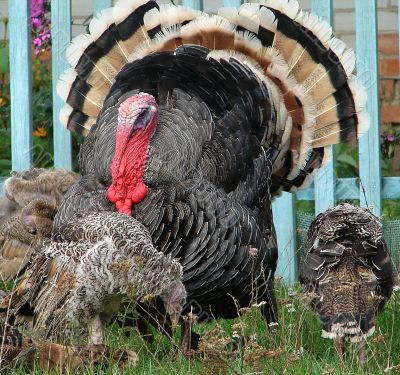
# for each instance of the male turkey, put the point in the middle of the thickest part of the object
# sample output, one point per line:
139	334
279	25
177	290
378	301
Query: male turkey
81	274
347	273
194	122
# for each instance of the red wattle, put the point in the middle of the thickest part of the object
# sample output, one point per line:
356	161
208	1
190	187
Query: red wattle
127	168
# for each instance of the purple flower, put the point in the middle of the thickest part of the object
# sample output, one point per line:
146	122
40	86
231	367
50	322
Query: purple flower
37	42
390	137
37	8
36	22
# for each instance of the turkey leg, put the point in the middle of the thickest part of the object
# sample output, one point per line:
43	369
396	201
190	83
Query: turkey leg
190	339
96	331
361	353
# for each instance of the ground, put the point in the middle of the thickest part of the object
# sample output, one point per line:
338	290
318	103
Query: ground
297	349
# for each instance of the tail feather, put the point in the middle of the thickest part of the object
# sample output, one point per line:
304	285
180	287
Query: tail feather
293	52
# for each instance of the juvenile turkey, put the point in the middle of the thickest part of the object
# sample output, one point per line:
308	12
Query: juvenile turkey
18	348
21	233
193	122
347	273
37	183
26	214
80	275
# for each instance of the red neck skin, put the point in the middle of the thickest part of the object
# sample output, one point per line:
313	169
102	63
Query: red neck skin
128	165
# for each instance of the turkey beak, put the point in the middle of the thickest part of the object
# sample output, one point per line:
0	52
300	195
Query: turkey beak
174	319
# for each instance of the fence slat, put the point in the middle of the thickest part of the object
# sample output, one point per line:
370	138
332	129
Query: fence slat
195	4
99	5
232	3
284	212
367	71
325	180
61	36
21	84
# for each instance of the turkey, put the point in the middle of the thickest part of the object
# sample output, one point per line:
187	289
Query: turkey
347	273
18	348
77	279
194	122
21	233
34	183
26	214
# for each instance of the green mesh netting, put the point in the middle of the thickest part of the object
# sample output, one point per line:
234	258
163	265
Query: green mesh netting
391	230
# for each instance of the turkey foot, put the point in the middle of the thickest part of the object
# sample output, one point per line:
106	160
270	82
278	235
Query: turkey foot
190	339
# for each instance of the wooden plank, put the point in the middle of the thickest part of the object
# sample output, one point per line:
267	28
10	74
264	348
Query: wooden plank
2	179
284	212
99	5
348	188
325	180
195	4
232	3
61	36
21	84
367	71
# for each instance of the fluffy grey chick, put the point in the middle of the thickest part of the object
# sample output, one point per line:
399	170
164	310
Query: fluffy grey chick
36	183
81	275
21	233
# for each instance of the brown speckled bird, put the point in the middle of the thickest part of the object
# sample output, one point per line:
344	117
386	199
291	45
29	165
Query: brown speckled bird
347	273
35	183
26	214
78	278
22	232
17	348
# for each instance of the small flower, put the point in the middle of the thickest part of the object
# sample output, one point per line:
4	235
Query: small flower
391	138
40	132
291	292
253	251
261	303
290	308
37	42
273	324
36	22
3	101
235	335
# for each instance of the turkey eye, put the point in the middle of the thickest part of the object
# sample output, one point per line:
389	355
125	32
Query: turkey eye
142	114
143	118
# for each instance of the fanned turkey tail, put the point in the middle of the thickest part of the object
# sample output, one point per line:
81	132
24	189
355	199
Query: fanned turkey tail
306	70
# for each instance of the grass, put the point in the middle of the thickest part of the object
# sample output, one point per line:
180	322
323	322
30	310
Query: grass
297	348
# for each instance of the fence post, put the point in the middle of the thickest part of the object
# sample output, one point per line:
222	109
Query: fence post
284	213
21	84
232	3
99	5
367	71
195	4
325	180
61	37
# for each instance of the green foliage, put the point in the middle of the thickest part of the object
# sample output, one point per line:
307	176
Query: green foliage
298	347
4	58
347	160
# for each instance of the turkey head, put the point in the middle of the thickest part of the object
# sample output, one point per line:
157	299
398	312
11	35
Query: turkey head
137	120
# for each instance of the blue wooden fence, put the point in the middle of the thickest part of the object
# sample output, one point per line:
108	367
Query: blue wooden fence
326	190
